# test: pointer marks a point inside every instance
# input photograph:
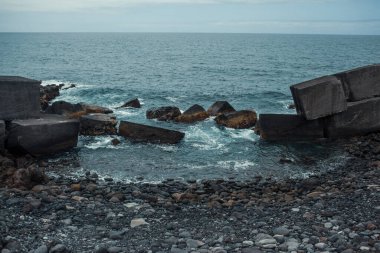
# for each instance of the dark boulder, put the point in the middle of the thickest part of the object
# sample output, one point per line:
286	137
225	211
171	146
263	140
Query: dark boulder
98	124
134	103
46	135
193	114
19	98
2	135
48	93
163	113
68	87
75	110
144	133
238	120
220	107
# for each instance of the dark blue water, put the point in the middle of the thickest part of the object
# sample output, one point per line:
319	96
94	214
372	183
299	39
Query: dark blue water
252	71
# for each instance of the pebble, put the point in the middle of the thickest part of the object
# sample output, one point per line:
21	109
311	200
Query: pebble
59	248
321	245
281	231
41	249
138	222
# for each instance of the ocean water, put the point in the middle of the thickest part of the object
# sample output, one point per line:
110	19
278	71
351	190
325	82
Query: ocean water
251	71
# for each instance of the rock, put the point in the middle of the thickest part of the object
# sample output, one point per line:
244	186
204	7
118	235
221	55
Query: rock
291	106
27	178
134	103
193	244
238	120
116	235
98	124
164	113
2	136
193	114
138	222
115	142
41	249
144	133
43	136
48	93
321	245
114	249
288	127
281	231
361	83
19	98
220	107
360	118
251	250
75	110
319	97
59	248
69	87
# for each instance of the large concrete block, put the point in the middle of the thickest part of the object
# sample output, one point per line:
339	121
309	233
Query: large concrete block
288	127
144	133
319	97
361	117
98	124
46	135
361	83
19	98
2	135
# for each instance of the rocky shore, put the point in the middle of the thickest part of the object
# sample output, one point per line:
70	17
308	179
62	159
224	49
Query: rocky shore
333	212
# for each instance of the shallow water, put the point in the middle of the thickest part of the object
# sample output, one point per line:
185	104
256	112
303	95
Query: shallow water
251	71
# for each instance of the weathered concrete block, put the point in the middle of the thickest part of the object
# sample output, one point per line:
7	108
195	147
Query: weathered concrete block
319	97
360	118
361	83
144	133
46	135
98	124
2	135
288	127
19	98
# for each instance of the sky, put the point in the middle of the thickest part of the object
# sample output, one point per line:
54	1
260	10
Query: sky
359	17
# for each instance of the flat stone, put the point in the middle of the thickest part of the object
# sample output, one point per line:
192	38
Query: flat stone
138	222
46	135
319	97
19	98
361	83
2	135
274	127
144	133
98	124
360	118
220	107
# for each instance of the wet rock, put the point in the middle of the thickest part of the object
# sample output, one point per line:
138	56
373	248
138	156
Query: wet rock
72	85
41	249
144	133
27	178
238	120
75	110
115	142
220	107
48	93
19	98
164	113
281	231
193	114
2	136
98	124
43	136
59	248
134	103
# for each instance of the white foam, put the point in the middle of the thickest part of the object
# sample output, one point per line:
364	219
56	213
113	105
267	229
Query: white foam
101	142
203	140
247	134
236	164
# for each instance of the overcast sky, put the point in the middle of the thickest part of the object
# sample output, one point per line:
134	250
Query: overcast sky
238	16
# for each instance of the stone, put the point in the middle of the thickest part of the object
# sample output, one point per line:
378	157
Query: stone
48	93
281	231
19	98
144	133
360	118
138	222
134	103
220	107
274	127
361	83
238	120
2	135
75	110
319	97
163	113
98	124
193	114
46	135
41	249
59	248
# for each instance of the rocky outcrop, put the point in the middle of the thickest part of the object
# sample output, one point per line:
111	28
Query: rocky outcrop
220	107
163	113
48	93
98	124
144	133
75	110
2	136
19	98
134	103
238	120
46	135
193	114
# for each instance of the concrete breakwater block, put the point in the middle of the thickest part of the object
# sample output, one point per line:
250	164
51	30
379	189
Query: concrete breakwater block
2	135
46	135
361	83
98	124
320	97
19	98
288	127
144	133
360	118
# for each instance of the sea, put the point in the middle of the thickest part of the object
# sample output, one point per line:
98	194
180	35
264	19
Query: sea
251	71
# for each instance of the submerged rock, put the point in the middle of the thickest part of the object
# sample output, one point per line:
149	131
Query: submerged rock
238	120
163	113
220	107
144	133
193	114
134	103
98	124
75	110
